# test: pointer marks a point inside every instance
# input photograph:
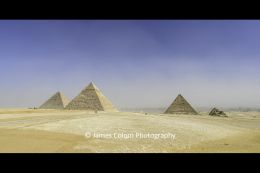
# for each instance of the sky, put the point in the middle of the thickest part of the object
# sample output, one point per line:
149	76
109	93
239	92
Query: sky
135	63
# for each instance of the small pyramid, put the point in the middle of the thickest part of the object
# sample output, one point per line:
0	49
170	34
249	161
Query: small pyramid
180	106
91	99
216	112
57	101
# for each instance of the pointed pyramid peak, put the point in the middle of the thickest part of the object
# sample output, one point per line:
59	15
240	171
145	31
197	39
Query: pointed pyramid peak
179	95
92	86
58	93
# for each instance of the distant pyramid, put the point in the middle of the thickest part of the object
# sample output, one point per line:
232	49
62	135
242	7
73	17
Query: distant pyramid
180	106
92	99
216	112
57	101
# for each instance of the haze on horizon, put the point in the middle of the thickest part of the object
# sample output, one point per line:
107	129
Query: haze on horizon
135	63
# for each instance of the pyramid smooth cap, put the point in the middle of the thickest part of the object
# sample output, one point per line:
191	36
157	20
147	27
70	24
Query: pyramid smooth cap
59	94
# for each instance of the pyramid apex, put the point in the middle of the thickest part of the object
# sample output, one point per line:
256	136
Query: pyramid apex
60	94
91	85
179	96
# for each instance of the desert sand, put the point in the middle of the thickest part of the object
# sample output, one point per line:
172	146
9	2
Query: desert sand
64	131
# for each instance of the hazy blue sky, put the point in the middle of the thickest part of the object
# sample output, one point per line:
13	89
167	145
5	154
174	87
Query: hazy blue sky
134	63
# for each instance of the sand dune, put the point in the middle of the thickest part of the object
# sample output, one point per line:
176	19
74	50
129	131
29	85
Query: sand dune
73	131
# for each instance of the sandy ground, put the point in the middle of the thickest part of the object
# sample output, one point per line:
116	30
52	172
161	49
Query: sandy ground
24	130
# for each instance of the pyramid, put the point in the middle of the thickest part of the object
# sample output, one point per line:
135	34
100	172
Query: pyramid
216	112
180	106
57	101
91	99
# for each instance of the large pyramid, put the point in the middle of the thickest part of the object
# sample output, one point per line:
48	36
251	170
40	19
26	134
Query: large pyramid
91	99
57	101
180	106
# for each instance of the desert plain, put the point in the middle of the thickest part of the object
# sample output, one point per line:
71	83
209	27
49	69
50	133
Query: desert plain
73	131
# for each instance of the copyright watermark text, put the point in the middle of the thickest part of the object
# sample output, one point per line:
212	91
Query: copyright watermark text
127	136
